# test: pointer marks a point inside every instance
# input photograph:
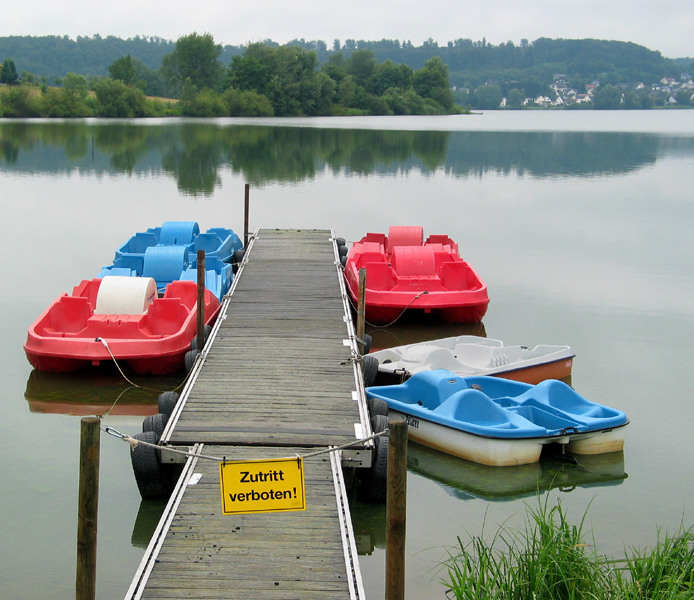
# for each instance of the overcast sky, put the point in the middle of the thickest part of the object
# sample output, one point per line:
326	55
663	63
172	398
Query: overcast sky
664	25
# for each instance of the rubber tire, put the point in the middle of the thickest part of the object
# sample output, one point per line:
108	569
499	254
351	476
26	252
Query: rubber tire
147	468
377	406
368	341
238	255
206	331
236	260
342	250
374	486
379	423
370	366
343	260
167	402
155	423
341	242
190	358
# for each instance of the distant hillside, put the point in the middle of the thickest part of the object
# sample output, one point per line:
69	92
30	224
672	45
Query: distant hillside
470	63
54	56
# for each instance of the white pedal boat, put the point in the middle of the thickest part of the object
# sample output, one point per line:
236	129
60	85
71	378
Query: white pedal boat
472	355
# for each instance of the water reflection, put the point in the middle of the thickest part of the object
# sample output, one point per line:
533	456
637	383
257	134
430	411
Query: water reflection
146	522
195	153
92	391
467	480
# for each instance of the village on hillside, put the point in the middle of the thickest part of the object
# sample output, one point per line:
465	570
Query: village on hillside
668	88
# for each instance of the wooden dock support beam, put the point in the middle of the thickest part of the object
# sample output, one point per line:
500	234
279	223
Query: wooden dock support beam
361	310
396	510
200	340
88	508
246	209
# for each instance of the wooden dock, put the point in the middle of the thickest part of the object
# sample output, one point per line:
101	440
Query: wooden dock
275	380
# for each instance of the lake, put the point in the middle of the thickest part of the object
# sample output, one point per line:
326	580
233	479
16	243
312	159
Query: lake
580	223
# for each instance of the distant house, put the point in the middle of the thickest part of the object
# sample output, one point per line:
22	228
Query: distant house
667	81
583	98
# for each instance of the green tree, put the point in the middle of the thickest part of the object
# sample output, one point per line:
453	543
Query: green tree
515	98
124	70
8	74
247	103
388	75
361	65
19	102
608	97
488	97
117	100
336	67
286	76
684	97
68	101
431	81
195	57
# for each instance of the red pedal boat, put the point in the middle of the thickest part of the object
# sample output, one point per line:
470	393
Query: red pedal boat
403	272
121	318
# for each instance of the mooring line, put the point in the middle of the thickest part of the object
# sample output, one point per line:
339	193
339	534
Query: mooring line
132	383
135	442
349	298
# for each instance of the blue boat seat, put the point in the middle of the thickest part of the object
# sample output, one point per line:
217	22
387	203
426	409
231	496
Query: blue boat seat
165	264
139	243
553	423
178	233
207	242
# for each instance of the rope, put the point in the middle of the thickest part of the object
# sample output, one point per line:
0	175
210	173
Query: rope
135	442
132	383
116	402
396	318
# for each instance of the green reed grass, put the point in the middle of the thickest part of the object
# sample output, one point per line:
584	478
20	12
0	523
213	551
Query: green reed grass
550	559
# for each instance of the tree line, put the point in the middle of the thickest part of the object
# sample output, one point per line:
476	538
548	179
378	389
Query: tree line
265	80
308	78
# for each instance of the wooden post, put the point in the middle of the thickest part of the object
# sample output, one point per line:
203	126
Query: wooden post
245	216
88	509
396	510
200	341
361	309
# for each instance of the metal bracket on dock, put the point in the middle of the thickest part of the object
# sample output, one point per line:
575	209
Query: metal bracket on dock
359	458
172	457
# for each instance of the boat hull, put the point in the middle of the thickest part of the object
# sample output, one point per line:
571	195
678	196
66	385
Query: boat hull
497	452
499	422
69	335
405	273
468	355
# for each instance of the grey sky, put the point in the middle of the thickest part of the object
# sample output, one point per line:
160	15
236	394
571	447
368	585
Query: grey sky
666	25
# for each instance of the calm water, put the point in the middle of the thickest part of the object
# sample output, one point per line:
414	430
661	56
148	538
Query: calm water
580	223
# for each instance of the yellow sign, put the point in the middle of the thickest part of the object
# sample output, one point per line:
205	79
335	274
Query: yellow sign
262	486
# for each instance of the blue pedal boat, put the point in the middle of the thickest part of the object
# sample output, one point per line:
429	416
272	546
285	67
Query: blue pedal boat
169	253
500	422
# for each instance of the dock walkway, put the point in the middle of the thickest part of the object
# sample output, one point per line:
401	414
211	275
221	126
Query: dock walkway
275	381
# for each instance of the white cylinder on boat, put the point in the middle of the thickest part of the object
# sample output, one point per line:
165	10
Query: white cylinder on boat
125	295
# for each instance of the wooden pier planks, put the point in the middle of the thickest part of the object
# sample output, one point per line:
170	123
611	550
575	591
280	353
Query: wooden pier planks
272	386
276	373
275	556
